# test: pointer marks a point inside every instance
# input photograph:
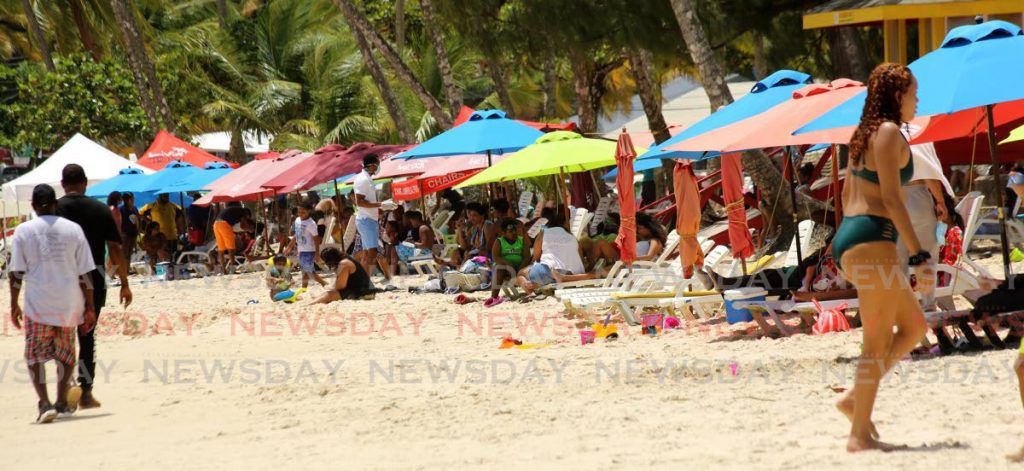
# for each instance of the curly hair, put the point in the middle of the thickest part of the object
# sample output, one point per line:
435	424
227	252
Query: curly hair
886	86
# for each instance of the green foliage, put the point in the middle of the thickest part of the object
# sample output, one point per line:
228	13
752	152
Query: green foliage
82	96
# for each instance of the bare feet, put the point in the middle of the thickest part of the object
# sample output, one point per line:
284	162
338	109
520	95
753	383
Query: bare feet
845	406
854	445
1016	457
88	401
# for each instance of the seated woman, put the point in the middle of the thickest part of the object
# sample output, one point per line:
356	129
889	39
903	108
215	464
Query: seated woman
558	257
822	280
351	282
650	238
601	246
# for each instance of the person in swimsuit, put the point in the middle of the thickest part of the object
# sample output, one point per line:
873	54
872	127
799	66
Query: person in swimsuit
352	281
865	245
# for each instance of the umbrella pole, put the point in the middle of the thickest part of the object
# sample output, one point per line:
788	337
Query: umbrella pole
1001	208
792	196
836	197
565	196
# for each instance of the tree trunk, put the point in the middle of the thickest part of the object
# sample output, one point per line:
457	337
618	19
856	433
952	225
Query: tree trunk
711	75
137	49
649	89
587	97
549	106
451	90
775	197
358	22
140	81
848	57
399	25
222	13
236	149
37	34
81	23
386	94
500	80
760	61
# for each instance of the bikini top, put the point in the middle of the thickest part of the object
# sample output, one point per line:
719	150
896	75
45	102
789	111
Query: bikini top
906	173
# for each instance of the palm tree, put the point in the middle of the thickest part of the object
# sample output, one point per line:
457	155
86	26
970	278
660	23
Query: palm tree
386	94
360	23
131	41
37	34
649	90
444	68
711	75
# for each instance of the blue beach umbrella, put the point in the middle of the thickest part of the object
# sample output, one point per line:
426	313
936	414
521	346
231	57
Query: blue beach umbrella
172	173
486	132
199	178
772	90
119	182
977	66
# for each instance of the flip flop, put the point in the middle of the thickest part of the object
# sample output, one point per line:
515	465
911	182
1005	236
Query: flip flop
491	302
525	299
540	297
72	398
463	299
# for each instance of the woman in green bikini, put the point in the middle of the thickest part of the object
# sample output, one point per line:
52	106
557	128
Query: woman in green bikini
865	244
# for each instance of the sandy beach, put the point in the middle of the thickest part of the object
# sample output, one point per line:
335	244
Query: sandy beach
194	377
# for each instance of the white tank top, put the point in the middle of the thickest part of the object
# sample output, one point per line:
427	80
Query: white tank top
560	251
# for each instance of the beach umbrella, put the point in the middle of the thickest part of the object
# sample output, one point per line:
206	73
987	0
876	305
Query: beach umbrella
167	148
246	183
732	193
766	93
626	239
172	173
1015	136
446	173
118	182
200	178
977	66
486	132
327	164
688	210
774	127
553	153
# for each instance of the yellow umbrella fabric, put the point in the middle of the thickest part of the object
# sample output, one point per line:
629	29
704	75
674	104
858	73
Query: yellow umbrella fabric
552	153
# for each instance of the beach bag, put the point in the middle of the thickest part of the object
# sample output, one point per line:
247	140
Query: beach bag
196	236
831	320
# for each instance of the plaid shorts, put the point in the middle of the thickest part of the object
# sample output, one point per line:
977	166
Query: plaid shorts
48	342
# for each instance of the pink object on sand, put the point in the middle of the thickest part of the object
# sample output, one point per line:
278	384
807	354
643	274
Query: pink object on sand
672	322
587	336
655	320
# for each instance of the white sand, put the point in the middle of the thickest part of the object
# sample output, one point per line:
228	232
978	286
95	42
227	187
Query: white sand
560	407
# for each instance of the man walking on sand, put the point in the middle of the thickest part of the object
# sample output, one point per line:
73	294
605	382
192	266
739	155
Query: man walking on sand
50	256
97	222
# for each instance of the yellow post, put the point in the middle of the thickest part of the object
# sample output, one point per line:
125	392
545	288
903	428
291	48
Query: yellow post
924	31
938	32
901	41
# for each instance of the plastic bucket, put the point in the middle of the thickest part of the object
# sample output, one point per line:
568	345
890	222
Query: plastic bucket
734	315
587	336
162	269
652	320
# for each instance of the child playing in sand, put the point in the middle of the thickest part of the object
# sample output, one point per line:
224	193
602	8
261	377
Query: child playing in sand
279	276
154	242
306	239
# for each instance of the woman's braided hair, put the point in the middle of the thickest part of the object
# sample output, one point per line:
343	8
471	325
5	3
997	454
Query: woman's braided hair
886	87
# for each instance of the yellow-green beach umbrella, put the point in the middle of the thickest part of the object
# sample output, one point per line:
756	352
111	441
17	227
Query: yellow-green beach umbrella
1015	135
552	153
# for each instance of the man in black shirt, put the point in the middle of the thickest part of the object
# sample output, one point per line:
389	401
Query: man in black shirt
97	222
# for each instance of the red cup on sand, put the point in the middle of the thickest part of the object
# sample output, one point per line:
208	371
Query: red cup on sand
587	336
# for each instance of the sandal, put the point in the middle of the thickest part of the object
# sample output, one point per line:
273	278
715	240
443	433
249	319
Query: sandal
491	302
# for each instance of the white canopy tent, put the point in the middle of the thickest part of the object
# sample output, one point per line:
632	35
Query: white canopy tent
219	143
98	162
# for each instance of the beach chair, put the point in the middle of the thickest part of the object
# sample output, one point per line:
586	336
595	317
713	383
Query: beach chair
199	260
535	228
1014	226
601	213
961	282
970	210
580	219
440	220
525	200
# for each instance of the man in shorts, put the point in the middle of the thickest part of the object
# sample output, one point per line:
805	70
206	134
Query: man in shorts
51	256
224	231
367	211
